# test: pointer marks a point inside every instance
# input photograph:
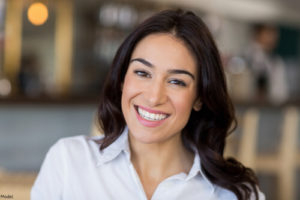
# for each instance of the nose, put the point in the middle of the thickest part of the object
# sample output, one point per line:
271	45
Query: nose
156	94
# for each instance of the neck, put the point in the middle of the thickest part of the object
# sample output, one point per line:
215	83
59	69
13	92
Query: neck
160	160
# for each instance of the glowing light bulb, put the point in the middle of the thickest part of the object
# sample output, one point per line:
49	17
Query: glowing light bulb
37	14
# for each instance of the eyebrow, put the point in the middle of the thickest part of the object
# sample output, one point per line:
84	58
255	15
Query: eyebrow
171	71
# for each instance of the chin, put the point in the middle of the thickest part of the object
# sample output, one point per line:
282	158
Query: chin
146	138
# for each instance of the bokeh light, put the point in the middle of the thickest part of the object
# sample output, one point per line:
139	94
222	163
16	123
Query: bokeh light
37	14
5	87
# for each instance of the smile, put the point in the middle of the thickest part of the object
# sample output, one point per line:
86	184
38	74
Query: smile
150	116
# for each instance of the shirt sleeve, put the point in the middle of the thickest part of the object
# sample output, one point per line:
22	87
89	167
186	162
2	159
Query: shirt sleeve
261	196
49	182
225	194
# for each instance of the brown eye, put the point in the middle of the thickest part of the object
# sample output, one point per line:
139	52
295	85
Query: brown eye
178	82
142	73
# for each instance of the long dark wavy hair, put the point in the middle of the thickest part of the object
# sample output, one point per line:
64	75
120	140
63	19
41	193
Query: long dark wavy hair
206	129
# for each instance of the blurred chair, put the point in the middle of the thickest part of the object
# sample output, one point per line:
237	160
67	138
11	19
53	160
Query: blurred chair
247	146
284	163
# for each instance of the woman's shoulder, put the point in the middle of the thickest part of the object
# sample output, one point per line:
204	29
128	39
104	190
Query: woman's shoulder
76	145
64	157
77	141
222	193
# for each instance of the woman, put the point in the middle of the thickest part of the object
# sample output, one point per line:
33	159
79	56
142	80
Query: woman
165	113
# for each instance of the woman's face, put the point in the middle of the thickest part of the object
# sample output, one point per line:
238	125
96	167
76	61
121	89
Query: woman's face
159	89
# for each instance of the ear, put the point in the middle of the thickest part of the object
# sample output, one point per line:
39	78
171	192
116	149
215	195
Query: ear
197	105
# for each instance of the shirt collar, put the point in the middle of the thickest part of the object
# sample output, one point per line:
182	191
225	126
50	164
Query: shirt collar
122	145
196	169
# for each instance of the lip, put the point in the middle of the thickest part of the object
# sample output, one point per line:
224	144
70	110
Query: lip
146	122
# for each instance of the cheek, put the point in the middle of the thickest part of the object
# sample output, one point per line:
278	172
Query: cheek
182	108
129	90
185	99
183	104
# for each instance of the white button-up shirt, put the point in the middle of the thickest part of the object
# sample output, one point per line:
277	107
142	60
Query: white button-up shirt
75	169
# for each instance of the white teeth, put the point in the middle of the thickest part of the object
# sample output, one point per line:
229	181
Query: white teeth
147	115
151	116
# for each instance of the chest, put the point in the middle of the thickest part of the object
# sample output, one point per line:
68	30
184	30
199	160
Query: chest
120	181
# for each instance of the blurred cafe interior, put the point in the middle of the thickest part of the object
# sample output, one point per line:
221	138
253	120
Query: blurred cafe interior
54	56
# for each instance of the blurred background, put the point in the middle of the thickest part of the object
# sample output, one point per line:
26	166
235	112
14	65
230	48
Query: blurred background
54	56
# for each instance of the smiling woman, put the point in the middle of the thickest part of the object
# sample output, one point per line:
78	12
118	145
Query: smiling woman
165	113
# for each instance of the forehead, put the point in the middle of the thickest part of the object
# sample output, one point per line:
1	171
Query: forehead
165	51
